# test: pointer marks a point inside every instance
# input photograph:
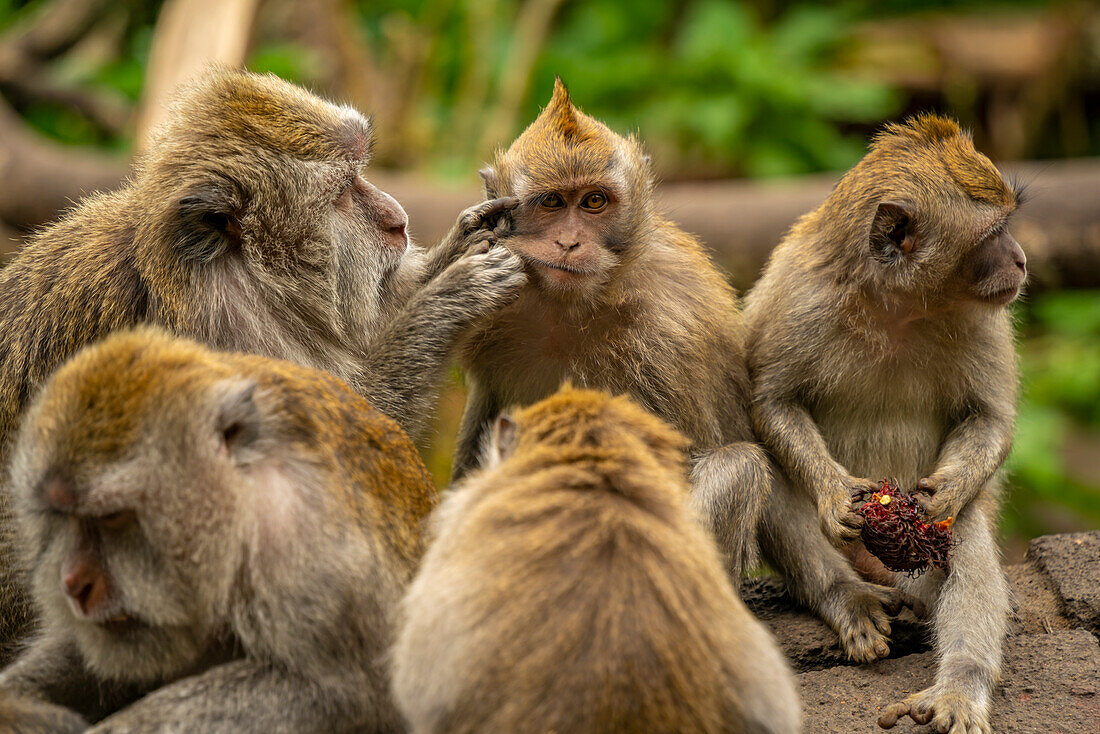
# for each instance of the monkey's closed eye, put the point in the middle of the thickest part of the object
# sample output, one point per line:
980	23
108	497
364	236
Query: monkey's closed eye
343	201
594	201
117	520
552	201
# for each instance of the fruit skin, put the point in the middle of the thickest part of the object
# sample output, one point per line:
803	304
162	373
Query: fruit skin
894	531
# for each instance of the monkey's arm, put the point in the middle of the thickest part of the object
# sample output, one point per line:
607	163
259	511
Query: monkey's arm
479	222
51	670
970	456
33	716
790	433
406	363
239	696
481	407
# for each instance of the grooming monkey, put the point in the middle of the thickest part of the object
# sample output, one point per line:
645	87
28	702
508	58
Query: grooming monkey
568	588
217	542
250	227
880	346
620	299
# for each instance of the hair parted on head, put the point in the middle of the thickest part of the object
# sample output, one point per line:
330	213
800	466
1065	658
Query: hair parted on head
563	145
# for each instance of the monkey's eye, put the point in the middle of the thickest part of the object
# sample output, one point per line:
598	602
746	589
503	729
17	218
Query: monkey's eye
117	520
594	201
552	201
343	201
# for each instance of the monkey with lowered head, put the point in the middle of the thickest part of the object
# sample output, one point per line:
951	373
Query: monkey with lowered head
880	346
618	298
216	542
249	226
569	588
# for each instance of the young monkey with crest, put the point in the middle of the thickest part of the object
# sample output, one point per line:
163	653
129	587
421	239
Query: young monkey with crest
618	299
880	346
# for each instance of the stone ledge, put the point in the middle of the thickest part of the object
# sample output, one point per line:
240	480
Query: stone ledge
1072	562
1051	681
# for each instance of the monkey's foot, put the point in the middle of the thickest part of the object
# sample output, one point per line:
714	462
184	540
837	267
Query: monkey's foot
860	613
949	709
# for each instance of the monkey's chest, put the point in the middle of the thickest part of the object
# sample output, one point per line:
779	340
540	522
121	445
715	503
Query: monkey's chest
527	359
883	421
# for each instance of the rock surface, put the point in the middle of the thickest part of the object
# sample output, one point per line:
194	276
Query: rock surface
1051	675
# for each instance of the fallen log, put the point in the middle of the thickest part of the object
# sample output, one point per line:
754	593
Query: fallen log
741	221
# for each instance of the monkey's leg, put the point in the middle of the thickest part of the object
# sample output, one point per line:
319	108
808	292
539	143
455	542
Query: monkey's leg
246	696
482	406
729	490
407	362
821	578
970	622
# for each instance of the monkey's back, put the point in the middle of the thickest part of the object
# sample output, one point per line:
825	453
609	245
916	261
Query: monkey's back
558	604
76	281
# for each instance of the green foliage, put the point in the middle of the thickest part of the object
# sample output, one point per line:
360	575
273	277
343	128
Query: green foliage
716	89
1060	360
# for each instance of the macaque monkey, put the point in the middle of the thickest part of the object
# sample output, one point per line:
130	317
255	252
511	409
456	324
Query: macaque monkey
249	226
880	346
620	299
569	588
216	542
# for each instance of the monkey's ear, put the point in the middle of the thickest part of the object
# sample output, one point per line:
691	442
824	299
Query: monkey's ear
502	440
211	219
893	235
492	181
238	419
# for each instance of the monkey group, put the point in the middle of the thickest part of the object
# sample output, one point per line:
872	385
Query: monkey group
214	517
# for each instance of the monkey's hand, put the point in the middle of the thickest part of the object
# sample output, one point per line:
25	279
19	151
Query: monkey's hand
489	277
939	499
486	221
32	716
839	520
492	217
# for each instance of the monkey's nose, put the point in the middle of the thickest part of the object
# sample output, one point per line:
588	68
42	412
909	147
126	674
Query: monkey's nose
86	589
397	237
568	247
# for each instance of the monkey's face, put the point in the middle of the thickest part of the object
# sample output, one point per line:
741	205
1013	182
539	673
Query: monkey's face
939	234
569	236
128	483
940	261
264	200
584	192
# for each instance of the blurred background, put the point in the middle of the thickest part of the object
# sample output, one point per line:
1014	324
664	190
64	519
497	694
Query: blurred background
749	110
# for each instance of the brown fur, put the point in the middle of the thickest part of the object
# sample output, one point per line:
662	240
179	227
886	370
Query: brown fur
880	347
631	304
276	522
569	589
248	226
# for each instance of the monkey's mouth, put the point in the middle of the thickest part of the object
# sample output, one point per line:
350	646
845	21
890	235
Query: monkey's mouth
561	267
119	623
1002	297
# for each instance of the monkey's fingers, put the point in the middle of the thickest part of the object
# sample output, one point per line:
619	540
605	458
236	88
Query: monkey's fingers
486	213
480	247
928	484
892	713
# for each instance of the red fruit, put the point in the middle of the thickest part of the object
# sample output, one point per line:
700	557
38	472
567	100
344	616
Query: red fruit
894	531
